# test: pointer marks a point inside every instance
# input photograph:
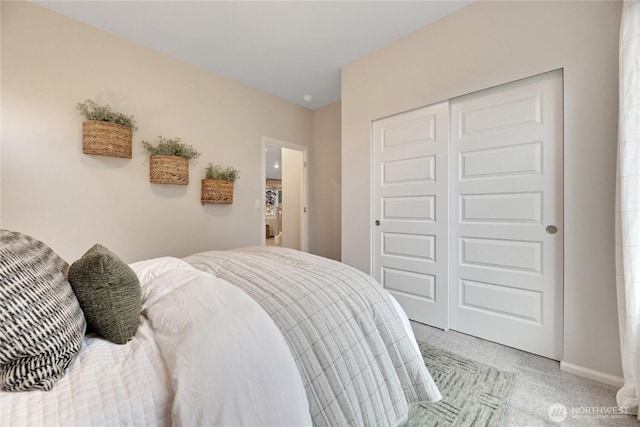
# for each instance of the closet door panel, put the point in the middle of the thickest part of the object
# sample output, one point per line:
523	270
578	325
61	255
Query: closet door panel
410	212
506	214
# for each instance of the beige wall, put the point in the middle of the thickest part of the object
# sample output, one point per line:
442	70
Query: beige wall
483	45
325	171
70	200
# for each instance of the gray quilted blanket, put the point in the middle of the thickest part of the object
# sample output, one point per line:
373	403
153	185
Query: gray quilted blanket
358	365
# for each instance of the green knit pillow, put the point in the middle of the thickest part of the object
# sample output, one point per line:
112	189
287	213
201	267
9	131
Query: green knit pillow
108	292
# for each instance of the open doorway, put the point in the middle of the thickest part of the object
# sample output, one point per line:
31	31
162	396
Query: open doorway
285	194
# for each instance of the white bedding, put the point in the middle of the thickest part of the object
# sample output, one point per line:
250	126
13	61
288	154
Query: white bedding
236	369
205	353
358	364
107	385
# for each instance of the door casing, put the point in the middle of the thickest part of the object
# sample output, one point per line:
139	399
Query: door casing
304	218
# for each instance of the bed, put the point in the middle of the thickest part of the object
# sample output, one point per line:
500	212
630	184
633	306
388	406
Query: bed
258	336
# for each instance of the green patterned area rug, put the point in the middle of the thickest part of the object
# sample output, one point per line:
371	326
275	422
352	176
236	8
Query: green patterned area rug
473	394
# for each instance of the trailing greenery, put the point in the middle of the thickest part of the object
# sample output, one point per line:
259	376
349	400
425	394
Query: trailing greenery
92	111
223	174
170	147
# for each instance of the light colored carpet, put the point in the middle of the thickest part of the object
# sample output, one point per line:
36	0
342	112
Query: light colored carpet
473	393
539	384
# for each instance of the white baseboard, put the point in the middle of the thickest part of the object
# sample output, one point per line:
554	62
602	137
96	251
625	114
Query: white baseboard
591	374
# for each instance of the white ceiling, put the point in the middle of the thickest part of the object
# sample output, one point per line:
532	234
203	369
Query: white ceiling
286	48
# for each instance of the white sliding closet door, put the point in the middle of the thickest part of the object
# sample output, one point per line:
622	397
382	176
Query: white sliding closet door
506	280
468	210
410	192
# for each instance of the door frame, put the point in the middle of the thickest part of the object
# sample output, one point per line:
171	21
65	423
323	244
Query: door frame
304	223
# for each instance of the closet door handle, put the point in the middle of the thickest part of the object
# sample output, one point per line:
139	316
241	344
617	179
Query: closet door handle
551	229
377	223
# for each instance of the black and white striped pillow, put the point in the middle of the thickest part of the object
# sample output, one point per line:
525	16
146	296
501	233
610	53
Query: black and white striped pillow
41	323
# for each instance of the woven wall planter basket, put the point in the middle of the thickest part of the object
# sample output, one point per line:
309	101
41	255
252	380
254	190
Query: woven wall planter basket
216	192
168	170
106	139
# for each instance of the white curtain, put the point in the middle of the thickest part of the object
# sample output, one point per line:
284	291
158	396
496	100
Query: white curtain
628	206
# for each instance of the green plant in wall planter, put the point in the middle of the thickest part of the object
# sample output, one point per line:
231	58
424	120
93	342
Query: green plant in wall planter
169	160
106	132
217	187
